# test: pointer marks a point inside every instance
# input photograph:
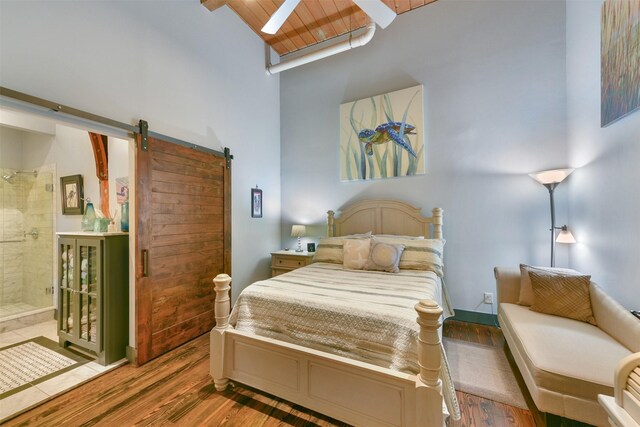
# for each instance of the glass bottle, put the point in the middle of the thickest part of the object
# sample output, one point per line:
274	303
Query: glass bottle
89	217
124	219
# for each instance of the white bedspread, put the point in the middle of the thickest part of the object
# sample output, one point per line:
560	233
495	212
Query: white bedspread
363	315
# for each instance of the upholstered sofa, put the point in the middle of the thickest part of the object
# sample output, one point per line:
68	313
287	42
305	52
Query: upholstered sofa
566	363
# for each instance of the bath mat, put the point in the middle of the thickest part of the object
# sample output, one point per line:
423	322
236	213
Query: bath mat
483	371
33	361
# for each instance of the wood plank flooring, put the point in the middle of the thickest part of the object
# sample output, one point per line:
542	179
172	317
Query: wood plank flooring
176	390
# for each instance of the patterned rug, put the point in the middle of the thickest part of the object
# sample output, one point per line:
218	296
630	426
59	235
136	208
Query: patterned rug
483	371
27	363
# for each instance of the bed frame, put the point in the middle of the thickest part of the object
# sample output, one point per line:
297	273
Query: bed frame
355	392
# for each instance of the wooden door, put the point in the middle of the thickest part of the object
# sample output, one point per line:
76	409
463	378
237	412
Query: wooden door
183	240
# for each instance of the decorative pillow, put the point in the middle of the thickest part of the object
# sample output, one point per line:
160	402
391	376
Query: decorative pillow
421	254
562	295
331	248
526	293
384	257
356	253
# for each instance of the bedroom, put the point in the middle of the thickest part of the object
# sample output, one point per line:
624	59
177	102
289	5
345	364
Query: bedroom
510	88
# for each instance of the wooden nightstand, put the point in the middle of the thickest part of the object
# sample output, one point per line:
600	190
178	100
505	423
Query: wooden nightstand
285	261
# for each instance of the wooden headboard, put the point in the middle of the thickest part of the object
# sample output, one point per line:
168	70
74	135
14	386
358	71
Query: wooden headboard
385	217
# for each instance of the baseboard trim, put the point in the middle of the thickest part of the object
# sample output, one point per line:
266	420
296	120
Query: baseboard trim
475	317
131	355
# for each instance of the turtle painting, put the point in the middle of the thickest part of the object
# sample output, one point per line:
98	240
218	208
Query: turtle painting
385	132
382	136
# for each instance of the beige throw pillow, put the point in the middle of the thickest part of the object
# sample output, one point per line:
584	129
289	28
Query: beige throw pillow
331	248
356	253
562	295
526	293
384	257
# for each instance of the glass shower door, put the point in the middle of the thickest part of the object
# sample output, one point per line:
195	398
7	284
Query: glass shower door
26	236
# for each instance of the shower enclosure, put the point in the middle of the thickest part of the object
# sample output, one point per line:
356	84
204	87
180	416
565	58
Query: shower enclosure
26	247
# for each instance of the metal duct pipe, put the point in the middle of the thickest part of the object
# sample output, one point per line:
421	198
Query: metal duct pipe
353	42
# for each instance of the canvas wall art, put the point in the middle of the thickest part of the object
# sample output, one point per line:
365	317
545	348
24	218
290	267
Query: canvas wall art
620	67
383	136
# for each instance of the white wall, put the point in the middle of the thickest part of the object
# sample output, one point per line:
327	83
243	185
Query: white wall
495	104
605	189
11	147
192	74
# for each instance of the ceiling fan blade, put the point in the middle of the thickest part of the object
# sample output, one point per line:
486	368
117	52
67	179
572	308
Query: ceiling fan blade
277	19
378	11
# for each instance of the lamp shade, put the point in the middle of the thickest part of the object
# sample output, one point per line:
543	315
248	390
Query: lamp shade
565	236
553	176
298	231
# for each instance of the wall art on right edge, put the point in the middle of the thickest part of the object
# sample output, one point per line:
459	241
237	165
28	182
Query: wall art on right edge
382	136
620	67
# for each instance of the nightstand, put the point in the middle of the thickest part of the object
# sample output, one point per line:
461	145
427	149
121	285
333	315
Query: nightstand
285	261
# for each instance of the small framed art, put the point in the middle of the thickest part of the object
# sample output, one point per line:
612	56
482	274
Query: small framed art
256	203
72	194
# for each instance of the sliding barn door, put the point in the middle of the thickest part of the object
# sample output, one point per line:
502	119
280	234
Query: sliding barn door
183	217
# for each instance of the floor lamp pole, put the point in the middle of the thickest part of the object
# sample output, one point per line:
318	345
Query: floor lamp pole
551	187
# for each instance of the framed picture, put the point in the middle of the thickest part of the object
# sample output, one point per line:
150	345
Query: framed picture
382	136
72	195
256	203
620	49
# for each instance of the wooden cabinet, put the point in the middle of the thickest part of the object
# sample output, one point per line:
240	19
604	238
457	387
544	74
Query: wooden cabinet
93	293
285	261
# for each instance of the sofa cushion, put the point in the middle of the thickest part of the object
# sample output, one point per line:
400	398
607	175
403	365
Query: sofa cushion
566	296
526	292
563	355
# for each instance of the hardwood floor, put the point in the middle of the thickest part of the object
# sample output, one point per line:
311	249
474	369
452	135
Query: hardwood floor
175	389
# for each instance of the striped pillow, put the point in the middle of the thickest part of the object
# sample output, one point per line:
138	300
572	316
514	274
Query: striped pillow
331	248
396	236
422	254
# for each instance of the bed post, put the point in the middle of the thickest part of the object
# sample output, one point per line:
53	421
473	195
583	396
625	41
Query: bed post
222	309
428	384
330	218
437	222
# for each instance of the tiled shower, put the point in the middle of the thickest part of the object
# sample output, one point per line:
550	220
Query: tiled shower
26	246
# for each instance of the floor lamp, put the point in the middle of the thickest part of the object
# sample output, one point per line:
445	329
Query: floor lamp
551	179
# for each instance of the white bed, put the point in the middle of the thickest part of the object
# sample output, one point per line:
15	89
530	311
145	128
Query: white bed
377	376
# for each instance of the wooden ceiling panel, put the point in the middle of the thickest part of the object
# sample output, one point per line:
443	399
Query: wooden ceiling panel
312	21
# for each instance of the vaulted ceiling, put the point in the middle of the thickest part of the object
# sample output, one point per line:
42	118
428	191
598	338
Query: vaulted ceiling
312	21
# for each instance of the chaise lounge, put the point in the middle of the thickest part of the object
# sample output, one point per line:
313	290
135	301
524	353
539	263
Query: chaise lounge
566	363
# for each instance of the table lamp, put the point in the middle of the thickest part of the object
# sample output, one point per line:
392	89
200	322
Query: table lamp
298	231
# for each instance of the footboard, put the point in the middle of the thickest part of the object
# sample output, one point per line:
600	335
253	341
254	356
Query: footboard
348	390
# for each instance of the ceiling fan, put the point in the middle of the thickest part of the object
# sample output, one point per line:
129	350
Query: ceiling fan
376	9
